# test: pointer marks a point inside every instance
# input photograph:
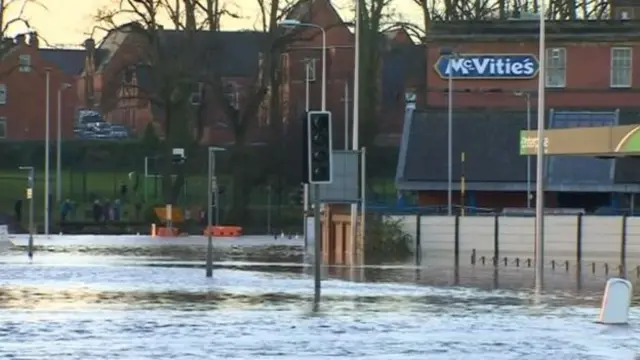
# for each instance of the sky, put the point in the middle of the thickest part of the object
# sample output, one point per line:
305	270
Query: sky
69	21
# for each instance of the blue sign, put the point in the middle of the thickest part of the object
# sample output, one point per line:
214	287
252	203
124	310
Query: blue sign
488	66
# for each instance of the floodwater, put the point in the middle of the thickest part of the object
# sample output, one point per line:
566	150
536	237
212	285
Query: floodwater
83	302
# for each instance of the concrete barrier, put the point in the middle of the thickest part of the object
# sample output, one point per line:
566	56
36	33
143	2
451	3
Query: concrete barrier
586	242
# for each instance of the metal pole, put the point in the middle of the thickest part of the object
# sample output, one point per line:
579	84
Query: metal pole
146	174
528	95
30	184
363	192
539	248
268	209
305	187
31	229
318	248
346	115
450	141
58	149
209	239
216	190
47	153
355	143
324	69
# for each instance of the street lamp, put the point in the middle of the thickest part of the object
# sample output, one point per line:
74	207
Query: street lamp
62	88
292	23
47	153
450	54
527	96
211	169
539	248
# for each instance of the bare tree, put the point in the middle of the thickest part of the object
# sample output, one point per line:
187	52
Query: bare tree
374	17
191	58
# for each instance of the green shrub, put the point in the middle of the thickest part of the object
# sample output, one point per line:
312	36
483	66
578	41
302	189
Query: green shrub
386	240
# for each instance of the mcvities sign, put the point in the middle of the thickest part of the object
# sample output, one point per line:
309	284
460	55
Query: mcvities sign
488	66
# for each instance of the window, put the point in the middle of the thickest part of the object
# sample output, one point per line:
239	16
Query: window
196	95
3	127
621	67
3	94
25	63
232	94
310	66
556	67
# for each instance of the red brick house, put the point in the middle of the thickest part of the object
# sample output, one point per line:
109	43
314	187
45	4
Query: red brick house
590	81
23	88
104	84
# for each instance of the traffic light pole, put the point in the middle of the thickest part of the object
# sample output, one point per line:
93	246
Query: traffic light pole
318	247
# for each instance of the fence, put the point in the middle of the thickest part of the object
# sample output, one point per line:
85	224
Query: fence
585	244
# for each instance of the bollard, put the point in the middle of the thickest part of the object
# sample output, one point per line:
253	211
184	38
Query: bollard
528	262
553	264
473	257
517	262
606	269
593	267
566	265
153	230
616	302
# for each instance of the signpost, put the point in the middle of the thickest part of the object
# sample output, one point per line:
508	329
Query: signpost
29	195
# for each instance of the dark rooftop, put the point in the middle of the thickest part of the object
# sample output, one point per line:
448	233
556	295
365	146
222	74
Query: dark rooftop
70	61
490	141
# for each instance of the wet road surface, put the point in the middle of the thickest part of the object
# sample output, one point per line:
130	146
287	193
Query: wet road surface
96	304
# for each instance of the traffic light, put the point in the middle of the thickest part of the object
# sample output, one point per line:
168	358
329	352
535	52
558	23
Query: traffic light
319	147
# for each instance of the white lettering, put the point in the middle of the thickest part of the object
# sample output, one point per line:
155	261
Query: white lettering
458	66
516	69
532	142
480	65
488	65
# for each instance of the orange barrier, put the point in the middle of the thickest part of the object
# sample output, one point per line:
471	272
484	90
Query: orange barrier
223	231
165	231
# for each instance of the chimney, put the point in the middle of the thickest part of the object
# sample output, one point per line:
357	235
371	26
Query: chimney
89	71
21	39
33	40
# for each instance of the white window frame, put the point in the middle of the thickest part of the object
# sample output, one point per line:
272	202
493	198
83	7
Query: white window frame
24	63
3	94
621	76
556	67
310	68
3	126
196	96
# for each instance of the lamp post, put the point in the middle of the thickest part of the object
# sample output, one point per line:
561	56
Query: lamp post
527	96
291	23
211	170
539	234
450	54
62	88
47	153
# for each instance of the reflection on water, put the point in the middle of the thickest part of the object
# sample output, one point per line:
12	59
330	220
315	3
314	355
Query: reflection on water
77	306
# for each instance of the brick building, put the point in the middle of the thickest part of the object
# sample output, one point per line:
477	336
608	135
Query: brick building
589	82
104	84
23	70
